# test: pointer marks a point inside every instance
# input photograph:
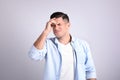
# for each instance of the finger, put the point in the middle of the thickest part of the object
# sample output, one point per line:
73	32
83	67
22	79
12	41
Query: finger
53	21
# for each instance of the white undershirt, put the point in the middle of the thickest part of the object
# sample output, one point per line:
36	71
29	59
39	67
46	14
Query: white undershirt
67	69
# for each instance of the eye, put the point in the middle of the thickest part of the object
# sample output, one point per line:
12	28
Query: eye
53	25
58	24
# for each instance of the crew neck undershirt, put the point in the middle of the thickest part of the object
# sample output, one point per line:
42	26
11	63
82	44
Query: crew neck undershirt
67	69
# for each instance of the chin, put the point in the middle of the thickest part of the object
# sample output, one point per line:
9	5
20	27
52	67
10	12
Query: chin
58	36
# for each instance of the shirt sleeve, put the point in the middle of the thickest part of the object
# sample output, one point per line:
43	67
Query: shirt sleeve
37	54
89	64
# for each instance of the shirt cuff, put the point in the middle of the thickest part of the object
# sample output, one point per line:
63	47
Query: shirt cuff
91	75
36	54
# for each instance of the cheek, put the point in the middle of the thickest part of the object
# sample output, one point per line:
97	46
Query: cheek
64	28
67	28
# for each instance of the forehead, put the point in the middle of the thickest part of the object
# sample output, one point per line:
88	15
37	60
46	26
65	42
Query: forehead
60	20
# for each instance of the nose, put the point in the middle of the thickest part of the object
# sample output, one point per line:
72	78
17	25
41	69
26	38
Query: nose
56	27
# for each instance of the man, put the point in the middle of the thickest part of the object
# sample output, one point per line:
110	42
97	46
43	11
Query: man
67	58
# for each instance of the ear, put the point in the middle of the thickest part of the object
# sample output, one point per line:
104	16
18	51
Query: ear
68	24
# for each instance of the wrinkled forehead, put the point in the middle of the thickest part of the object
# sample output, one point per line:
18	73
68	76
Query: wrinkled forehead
61	20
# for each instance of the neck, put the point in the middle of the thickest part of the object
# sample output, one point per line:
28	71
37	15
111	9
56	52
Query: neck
65	40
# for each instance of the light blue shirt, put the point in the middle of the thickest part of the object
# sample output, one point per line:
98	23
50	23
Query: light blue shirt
83	63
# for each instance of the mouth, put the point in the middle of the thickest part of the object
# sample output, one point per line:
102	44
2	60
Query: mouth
56	32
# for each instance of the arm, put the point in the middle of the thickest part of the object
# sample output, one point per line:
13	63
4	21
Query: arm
90	67
38	50
39	43
92	79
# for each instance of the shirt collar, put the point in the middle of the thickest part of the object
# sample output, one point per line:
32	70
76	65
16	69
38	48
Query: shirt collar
72	40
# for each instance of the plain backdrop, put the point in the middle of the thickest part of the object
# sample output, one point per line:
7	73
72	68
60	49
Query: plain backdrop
22	21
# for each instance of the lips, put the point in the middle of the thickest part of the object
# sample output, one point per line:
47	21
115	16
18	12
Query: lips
56	32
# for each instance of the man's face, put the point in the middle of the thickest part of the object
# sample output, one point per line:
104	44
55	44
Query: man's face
61	27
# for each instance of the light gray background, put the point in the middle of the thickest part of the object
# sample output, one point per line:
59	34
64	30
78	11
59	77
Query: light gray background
22	21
